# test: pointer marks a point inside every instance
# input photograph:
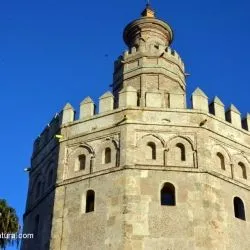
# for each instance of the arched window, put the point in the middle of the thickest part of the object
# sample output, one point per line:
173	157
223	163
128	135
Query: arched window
50	177
243	168
151	151
36	225
239	210
90	201
107	155
38	189
82	161
168	195
221	160
182	153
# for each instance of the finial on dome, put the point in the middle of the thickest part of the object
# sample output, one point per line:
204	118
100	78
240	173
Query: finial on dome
148	11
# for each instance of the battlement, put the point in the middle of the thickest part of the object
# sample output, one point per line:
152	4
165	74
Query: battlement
154	99
158	51
48	133
140	169
217	108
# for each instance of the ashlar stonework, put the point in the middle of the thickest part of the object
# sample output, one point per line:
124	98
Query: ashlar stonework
96	182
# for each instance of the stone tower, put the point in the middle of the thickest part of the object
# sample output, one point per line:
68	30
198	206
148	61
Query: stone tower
145	172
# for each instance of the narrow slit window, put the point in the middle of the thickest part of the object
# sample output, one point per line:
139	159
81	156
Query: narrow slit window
82	162
168	195
90	201
107	155
239	209
151	151
182	153
243	169
221	161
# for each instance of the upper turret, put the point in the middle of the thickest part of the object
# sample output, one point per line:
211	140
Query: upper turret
148	29
150	66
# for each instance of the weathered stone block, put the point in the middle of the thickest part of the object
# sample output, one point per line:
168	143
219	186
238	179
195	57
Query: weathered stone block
154	99
233	116
128	97
68	114
199	100
87	108
177	101
106	102
216	107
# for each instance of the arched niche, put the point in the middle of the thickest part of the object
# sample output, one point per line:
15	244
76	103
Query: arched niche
240	168
79	162
220	160
180	152
107	155
149	150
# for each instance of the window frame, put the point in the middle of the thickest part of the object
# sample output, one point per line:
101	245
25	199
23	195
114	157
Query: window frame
90	201
170	190
239	208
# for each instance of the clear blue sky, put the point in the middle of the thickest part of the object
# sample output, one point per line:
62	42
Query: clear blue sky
52	52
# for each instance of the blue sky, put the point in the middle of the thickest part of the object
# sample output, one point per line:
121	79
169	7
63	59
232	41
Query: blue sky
53	52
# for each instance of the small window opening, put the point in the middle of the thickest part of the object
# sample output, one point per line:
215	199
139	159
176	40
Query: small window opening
221	160
168	195
243	168
239	210
181	148
107	155
90	201
151	152
82	162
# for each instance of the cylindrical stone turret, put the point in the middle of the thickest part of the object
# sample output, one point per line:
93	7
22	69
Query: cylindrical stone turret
150	66
149	30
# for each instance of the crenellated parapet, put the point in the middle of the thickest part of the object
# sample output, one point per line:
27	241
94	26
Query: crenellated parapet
87	108
154	100
155	51
217	108
246	122
106	102
128	98
49	132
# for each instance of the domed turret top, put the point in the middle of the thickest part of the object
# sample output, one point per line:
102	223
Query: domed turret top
147	30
